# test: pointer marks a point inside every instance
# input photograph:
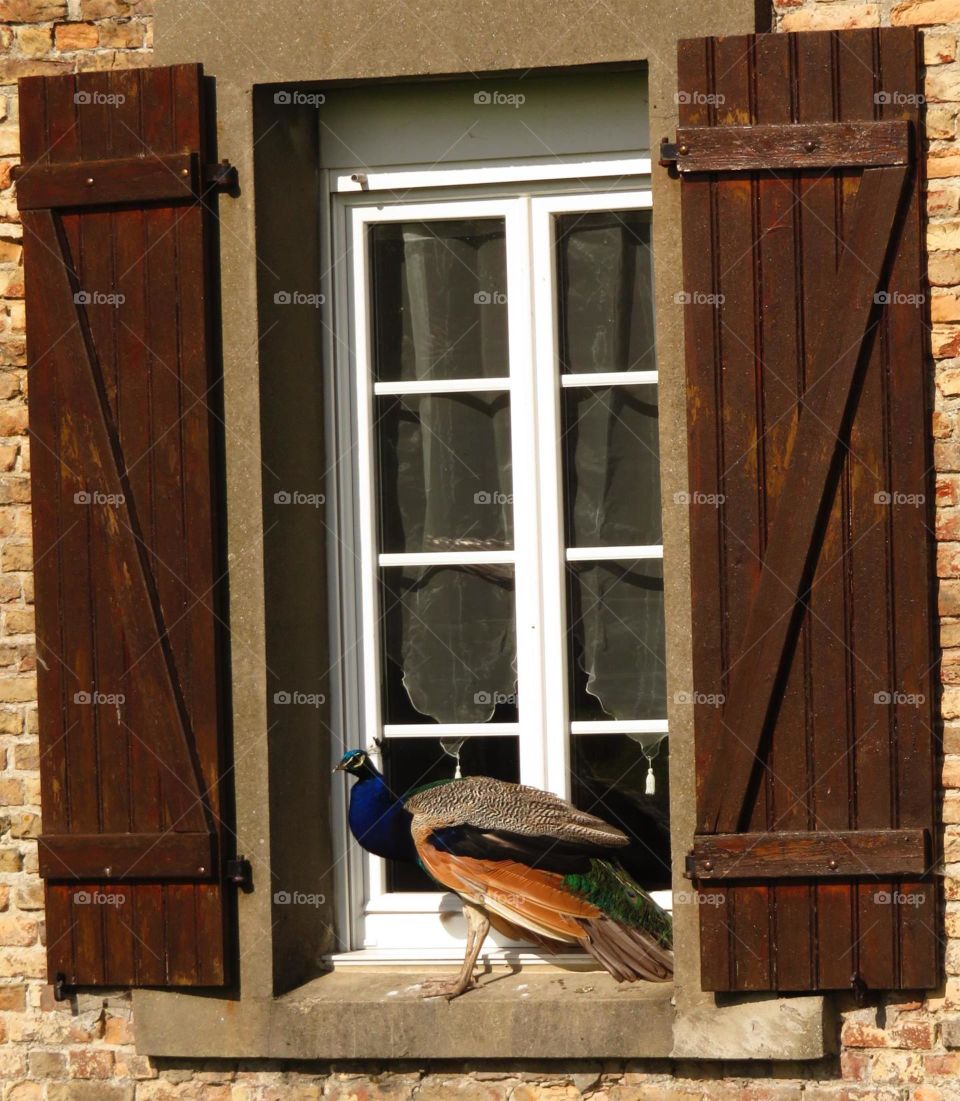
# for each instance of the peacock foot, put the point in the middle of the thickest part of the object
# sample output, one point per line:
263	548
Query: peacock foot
446	988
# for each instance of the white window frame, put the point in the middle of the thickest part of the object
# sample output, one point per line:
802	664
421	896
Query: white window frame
377	926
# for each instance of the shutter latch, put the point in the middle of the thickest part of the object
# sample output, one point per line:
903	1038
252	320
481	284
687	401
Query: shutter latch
240	873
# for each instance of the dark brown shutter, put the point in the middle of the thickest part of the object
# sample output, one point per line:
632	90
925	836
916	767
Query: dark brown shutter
117	237
800	168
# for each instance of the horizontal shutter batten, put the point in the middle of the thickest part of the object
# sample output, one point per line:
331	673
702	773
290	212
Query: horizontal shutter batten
172	178
127	855
792	146
803	854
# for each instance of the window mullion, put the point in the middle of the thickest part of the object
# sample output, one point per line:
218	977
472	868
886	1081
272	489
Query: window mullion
529	608
552	567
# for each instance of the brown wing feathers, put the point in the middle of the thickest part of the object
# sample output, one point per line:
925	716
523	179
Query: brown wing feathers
516	895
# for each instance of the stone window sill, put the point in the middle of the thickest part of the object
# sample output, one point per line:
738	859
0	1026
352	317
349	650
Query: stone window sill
531	1013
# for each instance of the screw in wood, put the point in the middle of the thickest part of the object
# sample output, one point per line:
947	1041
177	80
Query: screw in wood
184	172
89	181
833	865
201	870
708	865
810	145
683	150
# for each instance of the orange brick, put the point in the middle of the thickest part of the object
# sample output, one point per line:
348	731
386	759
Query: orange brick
76	36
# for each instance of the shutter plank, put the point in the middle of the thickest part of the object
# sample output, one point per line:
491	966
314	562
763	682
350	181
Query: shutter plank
738	240
911	464
830	658
704	396
788	779
203	625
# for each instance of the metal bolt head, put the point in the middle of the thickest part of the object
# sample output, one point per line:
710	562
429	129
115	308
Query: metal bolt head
810	145
708	865
107	870
185	172
833	865
201	870
683	150
89	181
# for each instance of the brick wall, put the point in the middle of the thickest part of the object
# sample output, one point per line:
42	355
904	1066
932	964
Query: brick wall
58	1052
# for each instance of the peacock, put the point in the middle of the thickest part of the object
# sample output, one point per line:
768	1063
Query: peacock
523	861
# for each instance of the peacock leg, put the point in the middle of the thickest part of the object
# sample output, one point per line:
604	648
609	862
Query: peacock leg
478	925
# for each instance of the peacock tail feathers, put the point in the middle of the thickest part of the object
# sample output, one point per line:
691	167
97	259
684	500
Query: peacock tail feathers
614	892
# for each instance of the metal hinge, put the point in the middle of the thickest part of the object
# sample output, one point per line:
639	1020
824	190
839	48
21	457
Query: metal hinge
220	177
61	992
240	873
668	153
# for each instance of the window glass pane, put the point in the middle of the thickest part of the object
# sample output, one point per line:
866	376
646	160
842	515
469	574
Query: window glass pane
610	779
449	640
612	466
445	472
605	291
439	299
411	762
616	649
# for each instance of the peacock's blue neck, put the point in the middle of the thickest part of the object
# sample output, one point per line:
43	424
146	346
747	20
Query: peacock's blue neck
378	819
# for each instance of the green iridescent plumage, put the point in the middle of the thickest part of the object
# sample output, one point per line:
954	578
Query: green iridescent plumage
612	890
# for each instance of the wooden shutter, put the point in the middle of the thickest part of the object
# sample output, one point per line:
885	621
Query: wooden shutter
799	157
117	236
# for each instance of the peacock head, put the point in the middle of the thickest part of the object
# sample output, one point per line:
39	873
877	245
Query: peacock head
357	762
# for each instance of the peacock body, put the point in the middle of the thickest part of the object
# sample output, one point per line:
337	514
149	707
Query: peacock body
524	861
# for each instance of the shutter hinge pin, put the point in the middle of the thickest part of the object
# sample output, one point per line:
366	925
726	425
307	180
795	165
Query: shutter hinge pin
61	992
240	873
220	177
859	988
669	152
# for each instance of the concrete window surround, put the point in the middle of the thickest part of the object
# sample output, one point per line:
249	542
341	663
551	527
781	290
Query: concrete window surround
283	1007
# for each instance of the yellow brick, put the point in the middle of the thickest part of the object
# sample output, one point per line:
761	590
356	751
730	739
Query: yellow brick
17	621
18	689
16	556
941	122
34	41
121	36
942	85
836	17
938	48
925	13
15	930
